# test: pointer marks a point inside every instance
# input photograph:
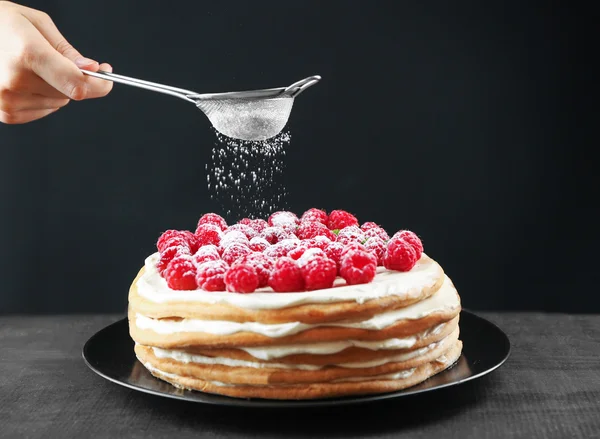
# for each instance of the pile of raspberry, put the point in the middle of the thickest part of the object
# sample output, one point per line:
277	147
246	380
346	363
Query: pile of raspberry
285	252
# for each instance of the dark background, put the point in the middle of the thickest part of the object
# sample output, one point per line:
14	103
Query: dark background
468	123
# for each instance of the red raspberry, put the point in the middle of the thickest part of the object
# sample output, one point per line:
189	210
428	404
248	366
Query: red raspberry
245	229
400	255
180	273
353	246
258	244
338	219
376	246
241	278
275	234
377	232
286	276
210	275
234	252
350	234
297	252
286	220
208	234
262	265
412	239
309	229
207	253
317	269
259	225
358	266
282	248
368	225
168	254
213	218
316	215
245	221
318	242
334	252
233	237
171	237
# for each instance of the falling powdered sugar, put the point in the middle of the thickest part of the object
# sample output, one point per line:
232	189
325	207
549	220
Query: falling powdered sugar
246	177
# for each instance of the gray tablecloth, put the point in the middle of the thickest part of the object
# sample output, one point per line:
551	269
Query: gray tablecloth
549	388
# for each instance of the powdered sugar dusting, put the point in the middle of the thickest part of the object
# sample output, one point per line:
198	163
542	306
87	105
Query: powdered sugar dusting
246	177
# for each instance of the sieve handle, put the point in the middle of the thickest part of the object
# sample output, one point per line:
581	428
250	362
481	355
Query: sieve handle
298	87
140	83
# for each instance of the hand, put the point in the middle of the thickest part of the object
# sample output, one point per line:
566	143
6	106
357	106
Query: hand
38	68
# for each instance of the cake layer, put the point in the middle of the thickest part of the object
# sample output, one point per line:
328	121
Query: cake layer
149	295
377	382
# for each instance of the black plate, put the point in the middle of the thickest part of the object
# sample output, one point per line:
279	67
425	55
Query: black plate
110	354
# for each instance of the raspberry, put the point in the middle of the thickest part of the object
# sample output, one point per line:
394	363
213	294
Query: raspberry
275	234
213	218
286	220
376	246
208	234
169	238
350	234
316	215
286	276
338	219
353	246
207	253
400	255
233	237
282	248
310	229
262	265
245	221
245	229
234	252
318	242
412	239
317	269
168	254
210	275
376	232
334	252
368	225
241	278
297	252
181	273
358	266
258	244
259	225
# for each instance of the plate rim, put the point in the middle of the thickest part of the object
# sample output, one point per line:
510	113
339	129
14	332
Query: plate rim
222	400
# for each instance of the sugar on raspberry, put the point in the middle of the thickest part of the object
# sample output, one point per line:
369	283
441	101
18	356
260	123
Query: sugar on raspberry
213	218
316	215
282	248
180	273
318	270
350	234
400	255
334	252
412	239
230	237
286	276
318	242
274	234
311	229
258	244
377	246
338	219
208	234
284	219
376	231
207	253
241	278
358	266
210	275
234	252
261	263
168	254
172	237
244	228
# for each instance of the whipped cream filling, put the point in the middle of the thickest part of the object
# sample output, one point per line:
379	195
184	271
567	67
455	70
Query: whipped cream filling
388	376
185	357
386	283
445	299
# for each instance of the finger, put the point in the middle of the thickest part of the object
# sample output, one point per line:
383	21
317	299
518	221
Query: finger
13	102
50	32
21	117
100	87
